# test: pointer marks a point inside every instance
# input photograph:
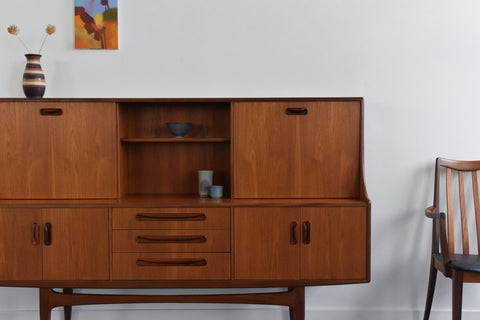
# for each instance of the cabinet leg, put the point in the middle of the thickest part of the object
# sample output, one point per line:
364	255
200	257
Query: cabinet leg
45	304
297	309
67	310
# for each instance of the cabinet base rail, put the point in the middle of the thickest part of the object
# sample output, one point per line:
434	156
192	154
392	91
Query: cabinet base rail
293	298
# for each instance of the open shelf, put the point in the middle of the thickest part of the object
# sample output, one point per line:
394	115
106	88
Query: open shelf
152	161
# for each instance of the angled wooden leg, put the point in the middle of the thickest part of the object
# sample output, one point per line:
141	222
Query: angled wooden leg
45	304
457	288
430	291
67	310
297	310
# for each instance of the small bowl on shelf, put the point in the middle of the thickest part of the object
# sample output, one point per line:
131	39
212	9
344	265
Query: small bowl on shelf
179	129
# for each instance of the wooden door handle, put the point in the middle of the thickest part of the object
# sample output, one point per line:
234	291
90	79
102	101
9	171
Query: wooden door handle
171	263
293	232
296	111
48	234
171	239
35	239
306	232
170	217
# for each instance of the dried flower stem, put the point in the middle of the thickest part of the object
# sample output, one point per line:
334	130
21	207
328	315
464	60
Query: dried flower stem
24	44
14	30
49	30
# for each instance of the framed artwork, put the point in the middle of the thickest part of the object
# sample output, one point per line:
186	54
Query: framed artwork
96	24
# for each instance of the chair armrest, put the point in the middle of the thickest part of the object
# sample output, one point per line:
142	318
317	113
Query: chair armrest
432	212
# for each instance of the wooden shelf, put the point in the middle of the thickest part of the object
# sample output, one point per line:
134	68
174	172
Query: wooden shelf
173	140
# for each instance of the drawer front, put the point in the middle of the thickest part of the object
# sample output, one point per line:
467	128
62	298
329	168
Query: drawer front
171	240
171	266
171	218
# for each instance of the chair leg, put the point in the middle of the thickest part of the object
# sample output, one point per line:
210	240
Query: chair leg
67	310
432	280
457	288
45	304
297	311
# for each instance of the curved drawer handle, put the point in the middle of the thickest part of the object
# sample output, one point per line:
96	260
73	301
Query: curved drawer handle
171	239
172	263
171	217
296	111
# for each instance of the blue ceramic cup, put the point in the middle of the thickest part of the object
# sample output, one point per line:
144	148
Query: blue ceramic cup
216	191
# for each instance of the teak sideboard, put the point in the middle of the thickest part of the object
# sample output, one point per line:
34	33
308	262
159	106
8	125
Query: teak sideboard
96	193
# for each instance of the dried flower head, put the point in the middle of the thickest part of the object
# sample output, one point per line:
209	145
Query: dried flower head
50	29
13	29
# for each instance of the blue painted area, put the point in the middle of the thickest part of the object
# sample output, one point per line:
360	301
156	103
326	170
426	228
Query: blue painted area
92	7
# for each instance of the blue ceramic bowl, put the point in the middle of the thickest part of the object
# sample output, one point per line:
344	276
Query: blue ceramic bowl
179	129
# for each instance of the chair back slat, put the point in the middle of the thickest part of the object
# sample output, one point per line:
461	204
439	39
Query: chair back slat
476	202
451	234
463	213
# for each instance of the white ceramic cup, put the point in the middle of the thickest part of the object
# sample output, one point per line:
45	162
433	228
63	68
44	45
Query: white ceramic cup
205	178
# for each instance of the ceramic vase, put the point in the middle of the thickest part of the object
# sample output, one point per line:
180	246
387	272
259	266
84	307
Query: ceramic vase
33	77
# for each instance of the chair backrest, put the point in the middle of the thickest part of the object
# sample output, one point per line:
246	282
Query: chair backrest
462	171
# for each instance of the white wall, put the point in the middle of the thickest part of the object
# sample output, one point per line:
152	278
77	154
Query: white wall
416	63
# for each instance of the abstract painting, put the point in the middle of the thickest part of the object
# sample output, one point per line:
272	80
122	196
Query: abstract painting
96	24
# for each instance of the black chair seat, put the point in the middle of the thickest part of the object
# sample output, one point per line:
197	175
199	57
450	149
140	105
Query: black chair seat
463	262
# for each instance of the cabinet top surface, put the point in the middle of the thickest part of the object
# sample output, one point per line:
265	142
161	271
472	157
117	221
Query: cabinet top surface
181	201
218	99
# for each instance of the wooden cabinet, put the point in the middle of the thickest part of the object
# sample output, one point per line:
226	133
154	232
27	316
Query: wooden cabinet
304	149
301	243
78	244
334	243
58	150
266	243
97	193
20	244
54	244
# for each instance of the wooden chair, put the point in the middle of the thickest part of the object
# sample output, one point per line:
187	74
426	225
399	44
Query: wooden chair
460	267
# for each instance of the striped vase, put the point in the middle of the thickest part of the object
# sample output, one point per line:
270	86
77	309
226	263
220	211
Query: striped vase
33	77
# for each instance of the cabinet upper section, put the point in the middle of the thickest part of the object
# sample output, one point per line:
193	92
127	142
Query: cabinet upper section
304	149
275	148
63	150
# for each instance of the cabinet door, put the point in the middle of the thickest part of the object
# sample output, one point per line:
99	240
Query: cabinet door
297	149
58	150
337	247
266	243
79	247
20	244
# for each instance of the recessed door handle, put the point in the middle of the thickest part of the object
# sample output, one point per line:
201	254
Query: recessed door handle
48	234
306	232
35	228
293	232
51	112
296	111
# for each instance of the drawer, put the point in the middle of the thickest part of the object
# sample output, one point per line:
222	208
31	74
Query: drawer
171	266
171	218
217	240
